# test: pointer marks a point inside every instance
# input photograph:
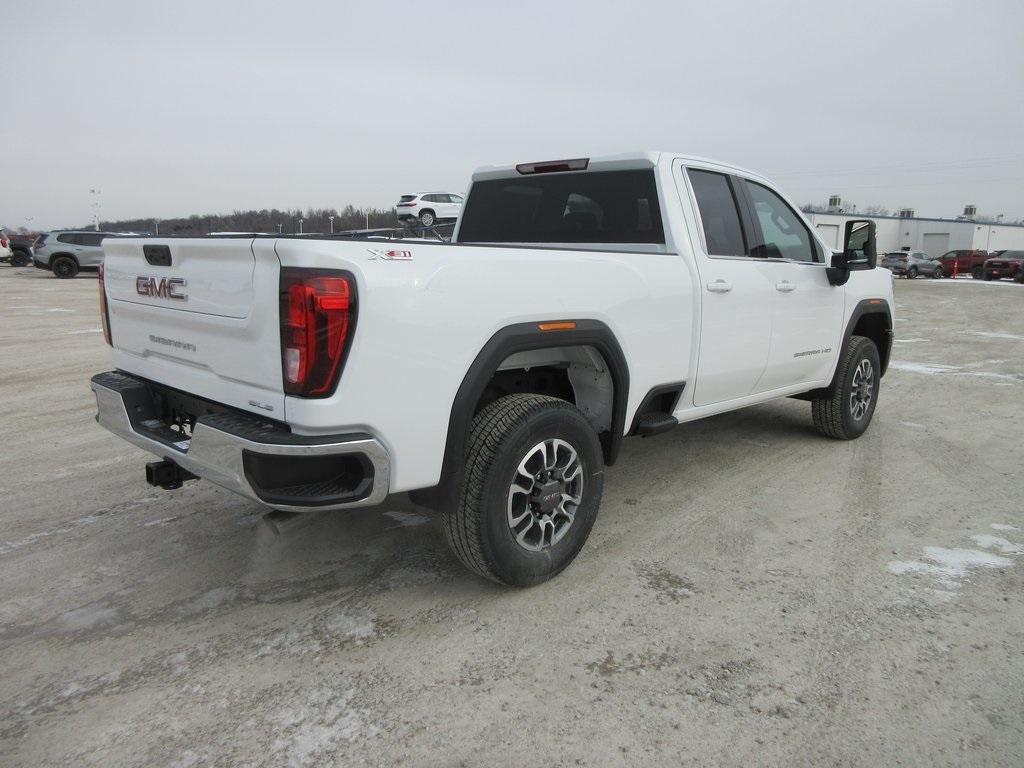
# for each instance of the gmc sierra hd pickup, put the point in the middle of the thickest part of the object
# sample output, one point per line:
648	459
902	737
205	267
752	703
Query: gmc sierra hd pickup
581	301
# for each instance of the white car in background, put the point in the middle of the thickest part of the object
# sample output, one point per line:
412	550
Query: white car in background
428	208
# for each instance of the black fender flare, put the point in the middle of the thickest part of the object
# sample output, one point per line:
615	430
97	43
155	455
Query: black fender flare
871	307
864	307
523	337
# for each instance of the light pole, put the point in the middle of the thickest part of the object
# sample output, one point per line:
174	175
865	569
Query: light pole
367	219
331	219
156	224
279	225
300	225
95	193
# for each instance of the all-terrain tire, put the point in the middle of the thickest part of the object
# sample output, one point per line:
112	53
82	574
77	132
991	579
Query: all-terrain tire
835	414
502	434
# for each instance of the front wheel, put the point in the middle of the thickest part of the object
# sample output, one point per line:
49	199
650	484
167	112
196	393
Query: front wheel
912	273
937	274
531	489
977	273
427	218
846	412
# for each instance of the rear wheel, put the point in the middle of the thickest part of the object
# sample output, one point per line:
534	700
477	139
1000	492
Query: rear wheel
65	267
532	486
846	412
976	273
427	218
912	273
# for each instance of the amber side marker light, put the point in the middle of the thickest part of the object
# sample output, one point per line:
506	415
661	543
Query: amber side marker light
567	325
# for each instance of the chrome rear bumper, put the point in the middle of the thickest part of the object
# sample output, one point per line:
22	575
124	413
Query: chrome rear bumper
225	448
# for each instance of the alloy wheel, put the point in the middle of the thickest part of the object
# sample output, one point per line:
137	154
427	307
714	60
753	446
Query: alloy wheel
862	389
545	493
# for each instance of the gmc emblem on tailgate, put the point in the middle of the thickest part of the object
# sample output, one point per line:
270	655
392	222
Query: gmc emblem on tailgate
165	288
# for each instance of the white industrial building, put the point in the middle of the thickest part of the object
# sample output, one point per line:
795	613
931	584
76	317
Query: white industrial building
933	236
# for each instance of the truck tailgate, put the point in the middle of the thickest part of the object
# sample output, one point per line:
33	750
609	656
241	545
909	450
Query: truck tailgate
199	315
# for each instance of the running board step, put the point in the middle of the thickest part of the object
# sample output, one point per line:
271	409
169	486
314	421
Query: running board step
651	424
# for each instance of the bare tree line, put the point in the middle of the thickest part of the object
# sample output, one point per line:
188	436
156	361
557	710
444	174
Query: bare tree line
269	220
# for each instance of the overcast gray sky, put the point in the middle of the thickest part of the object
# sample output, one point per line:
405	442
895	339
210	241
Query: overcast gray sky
175	108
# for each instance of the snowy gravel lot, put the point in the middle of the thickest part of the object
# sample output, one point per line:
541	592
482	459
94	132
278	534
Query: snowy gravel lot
752	594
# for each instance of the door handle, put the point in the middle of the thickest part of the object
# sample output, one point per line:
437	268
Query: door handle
785	286
719	286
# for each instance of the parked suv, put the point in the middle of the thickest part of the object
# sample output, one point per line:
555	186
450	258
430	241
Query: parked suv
428	208
964	262
65	252
912	263
1005	264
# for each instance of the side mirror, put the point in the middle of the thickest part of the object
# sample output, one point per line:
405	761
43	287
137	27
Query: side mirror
859	245
858	252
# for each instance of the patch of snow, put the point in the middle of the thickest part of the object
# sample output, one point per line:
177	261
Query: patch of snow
312	730
1006	377
949	566
1003	527
87	617
912	424
210	599
934	369
59	309
350	624
407	518
87	330
996	335
908	341
988	541
927	368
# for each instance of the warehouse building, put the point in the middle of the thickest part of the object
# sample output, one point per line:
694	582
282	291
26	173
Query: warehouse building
933	236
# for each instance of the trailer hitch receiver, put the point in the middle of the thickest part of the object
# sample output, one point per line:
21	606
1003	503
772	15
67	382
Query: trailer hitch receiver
167	475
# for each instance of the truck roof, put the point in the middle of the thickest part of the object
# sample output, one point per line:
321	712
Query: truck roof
624	161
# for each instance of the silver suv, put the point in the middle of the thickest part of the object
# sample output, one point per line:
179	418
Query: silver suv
911	264
65	252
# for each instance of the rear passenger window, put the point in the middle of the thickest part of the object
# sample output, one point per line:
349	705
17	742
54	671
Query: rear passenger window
785	236
606	207
718	213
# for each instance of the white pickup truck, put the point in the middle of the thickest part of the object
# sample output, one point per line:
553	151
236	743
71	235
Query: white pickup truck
580	302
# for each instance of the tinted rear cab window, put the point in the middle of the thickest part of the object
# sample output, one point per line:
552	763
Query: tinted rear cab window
586	207
719	213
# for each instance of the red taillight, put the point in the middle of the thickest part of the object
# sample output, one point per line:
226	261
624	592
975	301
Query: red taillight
317	317
3	242
104	312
